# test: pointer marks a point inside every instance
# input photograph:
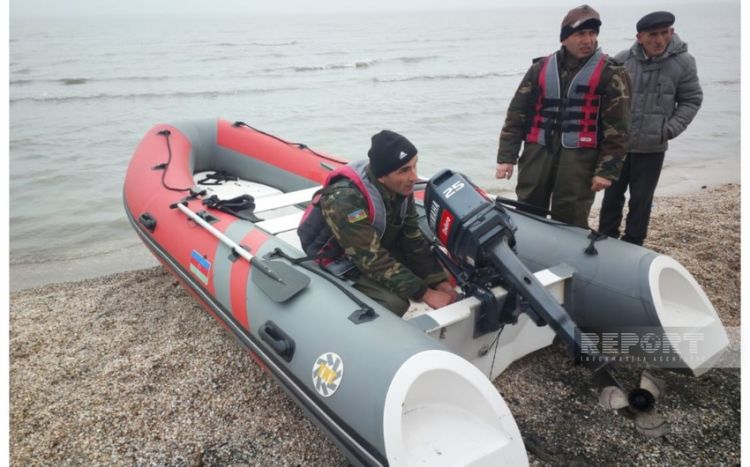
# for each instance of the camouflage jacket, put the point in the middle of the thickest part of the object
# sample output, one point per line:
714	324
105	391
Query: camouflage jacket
401	259
614	115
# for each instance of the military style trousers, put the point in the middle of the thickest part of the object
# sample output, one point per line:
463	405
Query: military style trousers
640	173
381	295
384	296
560	182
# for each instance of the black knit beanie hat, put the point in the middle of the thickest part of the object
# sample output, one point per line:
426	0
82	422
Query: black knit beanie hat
388	152
578	19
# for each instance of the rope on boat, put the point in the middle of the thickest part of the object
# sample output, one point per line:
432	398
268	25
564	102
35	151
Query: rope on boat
298	145
165	166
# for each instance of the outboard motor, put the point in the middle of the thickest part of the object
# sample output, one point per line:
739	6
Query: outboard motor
479	236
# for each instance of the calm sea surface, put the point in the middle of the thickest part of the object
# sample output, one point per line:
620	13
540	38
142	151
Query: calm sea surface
83	91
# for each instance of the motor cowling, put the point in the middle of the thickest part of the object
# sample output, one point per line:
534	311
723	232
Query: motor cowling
464	219
479	236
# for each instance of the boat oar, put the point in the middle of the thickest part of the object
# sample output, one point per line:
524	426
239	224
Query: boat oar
276	279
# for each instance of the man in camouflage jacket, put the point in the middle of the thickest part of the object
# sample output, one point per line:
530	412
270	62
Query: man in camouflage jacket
570	158
397	264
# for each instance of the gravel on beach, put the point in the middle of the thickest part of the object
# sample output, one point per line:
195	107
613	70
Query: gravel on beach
128	369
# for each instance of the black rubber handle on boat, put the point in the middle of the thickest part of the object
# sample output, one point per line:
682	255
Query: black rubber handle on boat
148	221
277	339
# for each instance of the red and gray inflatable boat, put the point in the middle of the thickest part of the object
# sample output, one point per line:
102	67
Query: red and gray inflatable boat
218	203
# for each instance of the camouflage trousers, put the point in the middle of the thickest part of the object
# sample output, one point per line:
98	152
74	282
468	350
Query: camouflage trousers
381	295
560	183
376	291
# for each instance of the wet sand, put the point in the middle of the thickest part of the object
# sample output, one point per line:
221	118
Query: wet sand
128	369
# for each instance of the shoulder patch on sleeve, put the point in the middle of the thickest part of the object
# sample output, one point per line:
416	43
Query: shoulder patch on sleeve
356	216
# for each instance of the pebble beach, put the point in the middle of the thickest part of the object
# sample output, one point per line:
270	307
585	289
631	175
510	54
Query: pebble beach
128	369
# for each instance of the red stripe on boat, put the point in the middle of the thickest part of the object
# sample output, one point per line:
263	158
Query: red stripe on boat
273	151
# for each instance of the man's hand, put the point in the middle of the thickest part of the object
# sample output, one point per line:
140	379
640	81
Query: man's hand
504	171
446	287
599	183
436	299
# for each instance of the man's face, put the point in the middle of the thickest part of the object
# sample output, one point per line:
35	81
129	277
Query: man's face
581	44
655	41
402	180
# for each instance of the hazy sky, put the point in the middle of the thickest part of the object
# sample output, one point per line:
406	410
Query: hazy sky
118	7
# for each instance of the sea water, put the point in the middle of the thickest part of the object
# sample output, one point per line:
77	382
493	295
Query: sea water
84	91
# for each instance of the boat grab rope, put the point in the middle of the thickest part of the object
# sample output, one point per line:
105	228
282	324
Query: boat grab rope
524	207
163	166
298	145
594	235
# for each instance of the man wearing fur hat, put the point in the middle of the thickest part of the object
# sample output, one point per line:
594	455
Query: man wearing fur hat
363	225
666	97
571	113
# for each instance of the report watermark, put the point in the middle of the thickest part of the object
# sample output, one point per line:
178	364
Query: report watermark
663	347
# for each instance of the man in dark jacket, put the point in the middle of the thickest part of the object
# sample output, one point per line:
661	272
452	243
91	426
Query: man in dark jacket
666	98
371	224
572	114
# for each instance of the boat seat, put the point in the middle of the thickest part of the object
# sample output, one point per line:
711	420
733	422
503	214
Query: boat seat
291	237
278	208
228	189
267	198
281	224
291	198
430	320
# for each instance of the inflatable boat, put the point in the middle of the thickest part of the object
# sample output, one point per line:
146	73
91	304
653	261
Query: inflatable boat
218	203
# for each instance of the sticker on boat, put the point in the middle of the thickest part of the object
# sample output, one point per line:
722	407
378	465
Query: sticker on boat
200	266
327	373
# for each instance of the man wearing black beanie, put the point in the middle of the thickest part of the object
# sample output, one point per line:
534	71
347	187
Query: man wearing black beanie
364	227
571	113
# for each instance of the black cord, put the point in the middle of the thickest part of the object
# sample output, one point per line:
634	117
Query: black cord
165	166
594	236
299	145
536	217
496	343
526	207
